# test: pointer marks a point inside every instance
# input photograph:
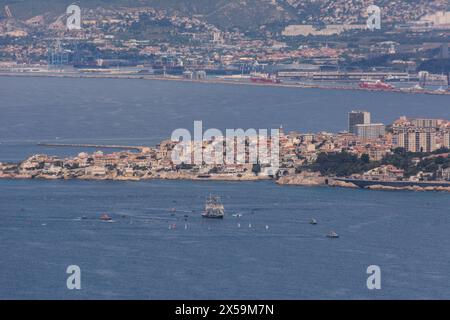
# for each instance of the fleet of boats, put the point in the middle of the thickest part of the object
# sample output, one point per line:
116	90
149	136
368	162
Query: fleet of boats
216	210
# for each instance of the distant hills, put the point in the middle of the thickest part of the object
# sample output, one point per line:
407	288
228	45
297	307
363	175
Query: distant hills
244	14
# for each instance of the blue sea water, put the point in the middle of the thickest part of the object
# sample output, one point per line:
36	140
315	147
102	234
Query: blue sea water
271	252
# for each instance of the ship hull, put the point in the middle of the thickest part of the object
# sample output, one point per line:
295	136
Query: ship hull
258	80
376	86
211	217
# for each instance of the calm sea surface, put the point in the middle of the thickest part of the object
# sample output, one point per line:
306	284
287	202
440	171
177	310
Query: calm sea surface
270	252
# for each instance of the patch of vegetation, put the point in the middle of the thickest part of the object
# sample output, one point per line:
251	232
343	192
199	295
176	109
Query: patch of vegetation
341	164
405	160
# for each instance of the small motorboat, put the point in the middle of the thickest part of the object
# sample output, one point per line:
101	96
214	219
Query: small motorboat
313	221
105	217
332	234
237	215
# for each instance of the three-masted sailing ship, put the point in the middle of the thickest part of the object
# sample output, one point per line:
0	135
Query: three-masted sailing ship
213	208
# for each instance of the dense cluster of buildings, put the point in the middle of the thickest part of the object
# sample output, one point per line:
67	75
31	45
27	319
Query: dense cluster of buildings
353	11
172	42
362	137
414	135
421	135
296	150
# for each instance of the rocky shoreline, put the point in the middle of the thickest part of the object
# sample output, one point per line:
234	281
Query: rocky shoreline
160	176
313	179
316	179
309	179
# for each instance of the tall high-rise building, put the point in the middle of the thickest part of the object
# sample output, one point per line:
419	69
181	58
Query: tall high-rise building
425	123
370	131
415	140
357	117
446	139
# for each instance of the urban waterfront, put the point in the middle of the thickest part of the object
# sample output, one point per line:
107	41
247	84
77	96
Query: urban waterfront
271	252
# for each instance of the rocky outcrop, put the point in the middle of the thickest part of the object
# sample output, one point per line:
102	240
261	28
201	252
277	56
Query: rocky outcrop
313	179
343	184
303	179
409	188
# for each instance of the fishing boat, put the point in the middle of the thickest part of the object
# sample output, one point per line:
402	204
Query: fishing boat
313	221
213	208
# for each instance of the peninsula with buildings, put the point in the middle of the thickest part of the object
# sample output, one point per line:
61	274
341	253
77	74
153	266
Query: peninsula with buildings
409	154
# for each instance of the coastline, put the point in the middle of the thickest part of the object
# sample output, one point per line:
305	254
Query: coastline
214	81
310	179
149	163
315	179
